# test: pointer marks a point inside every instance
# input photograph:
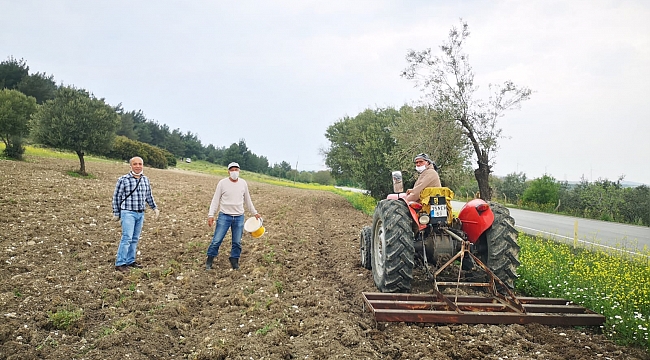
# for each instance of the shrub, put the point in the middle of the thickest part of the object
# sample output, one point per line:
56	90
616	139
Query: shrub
154	157
125	148
542	191
171	159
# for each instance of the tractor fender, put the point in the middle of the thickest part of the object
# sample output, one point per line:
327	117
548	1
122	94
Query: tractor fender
476	216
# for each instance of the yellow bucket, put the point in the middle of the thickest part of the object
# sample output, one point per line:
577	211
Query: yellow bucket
254	226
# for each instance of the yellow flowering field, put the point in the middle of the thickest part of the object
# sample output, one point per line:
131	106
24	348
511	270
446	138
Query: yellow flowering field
614	285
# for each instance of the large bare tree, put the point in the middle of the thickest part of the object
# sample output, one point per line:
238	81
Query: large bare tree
448	83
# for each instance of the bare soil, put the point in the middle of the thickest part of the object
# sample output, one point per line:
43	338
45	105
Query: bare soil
296	296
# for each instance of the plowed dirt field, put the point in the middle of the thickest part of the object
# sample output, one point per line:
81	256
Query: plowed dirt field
296	296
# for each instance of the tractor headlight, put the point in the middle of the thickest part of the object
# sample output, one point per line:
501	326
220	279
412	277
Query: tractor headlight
424	218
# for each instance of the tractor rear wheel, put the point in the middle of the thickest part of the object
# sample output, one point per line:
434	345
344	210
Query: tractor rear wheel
500	251
393	248
365	247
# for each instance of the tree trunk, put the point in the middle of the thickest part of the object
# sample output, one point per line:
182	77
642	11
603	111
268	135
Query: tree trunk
82	168
482	175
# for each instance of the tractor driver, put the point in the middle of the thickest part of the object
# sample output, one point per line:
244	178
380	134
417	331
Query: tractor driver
428	177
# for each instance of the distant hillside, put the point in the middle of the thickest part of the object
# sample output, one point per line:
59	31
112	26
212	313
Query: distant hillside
631	184
625	184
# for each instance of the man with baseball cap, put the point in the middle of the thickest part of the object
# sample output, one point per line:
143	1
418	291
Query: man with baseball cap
428	177
229	198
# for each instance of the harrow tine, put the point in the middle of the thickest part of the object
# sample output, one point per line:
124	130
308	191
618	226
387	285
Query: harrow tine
431	308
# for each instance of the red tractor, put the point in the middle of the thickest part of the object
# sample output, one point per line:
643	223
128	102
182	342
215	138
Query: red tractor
426	233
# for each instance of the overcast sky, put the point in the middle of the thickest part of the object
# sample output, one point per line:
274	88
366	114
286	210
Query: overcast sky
278	73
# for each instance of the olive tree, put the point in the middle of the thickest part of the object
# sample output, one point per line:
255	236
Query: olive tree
448	83
75	120
358	149
513	186
422	129
15	110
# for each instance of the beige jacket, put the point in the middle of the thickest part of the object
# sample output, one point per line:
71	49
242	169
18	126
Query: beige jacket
427	178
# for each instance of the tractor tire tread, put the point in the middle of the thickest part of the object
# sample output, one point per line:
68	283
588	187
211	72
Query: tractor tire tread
502	248
392	266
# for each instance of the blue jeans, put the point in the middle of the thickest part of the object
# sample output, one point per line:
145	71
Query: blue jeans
131	228
224	222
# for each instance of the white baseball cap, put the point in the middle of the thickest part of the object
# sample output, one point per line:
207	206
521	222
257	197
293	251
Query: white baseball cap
233	164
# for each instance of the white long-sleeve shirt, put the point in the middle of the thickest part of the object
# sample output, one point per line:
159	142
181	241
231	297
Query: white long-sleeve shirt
229	198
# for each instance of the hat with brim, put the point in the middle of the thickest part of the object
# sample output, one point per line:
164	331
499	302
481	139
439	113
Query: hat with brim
232	165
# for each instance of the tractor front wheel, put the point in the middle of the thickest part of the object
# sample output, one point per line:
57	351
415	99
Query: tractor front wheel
393	248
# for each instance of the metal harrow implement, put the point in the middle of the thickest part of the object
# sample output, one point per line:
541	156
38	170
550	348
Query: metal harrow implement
494	307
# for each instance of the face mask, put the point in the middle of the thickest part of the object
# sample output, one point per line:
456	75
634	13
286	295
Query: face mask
234	175
420	168
137	174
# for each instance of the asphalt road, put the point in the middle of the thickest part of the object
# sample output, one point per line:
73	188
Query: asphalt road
590	233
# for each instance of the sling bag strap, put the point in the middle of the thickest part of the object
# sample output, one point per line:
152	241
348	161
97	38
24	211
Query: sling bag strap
119	207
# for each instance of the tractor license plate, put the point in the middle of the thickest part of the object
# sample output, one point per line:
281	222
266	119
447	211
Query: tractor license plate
438	210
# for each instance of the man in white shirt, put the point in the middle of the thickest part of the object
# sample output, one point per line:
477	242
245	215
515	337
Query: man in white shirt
229	198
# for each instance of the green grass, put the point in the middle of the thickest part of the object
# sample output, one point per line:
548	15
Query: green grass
45	152
278	287
75	174
50	153
616	286
105	331
249	291
267	328
63	319
269	257
203	167
196	245
359	201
